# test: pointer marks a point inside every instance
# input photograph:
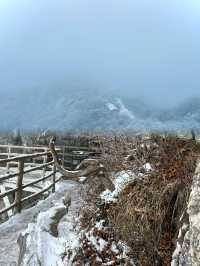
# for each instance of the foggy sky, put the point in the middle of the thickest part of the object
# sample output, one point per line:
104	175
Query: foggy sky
143	47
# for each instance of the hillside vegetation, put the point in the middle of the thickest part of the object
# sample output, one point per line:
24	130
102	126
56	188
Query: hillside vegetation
72	107
150	208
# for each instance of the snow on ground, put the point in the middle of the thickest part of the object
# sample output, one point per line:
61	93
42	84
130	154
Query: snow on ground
148	167
59	250
97	243
10	230
124	111
42	248
120	180
103	249
111	106
50	237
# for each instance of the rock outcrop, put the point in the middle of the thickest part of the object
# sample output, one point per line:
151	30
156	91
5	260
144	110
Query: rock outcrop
187	251
39	243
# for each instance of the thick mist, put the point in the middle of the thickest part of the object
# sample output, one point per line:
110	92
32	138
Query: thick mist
147	49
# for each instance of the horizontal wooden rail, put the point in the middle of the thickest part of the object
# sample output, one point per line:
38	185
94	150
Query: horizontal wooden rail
8	208
40	192
22	147
37	180
27	164
27	198
8	176
32	169
6	193
10	191
37	194
23	157
13	154
20	173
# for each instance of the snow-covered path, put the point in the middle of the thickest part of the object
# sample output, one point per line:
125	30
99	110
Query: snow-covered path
10	230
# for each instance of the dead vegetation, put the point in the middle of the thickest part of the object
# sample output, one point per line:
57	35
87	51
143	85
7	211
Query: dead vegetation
151	209
147	214
122	152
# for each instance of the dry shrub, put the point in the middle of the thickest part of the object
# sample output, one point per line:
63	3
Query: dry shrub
123	152
147	215
90	194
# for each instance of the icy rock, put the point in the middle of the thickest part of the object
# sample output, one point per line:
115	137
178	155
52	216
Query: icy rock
39	244
187	251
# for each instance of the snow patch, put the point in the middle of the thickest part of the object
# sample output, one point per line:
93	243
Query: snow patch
120	181
124	110
82	179
148	167
111	106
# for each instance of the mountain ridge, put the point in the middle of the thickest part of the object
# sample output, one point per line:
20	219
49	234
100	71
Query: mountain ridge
74	109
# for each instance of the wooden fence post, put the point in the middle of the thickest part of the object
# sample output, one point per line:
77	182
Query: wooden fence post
45	159
54	178
9	152
18	194
63	156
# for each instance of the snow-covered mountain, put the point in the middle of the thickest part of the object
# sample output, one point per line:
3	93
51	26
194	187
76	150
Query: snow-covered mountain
75	109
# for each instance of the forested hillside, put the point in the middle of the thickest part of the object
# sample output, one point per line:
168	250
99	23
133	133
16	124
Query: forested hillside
71	106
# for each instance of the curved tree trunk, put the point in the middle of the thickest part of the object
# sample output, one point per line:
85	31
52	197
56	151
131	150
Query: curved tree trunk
91	167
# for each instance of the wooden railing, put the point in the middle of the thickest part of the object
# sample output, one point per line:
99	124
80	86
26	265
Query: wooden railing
69	155
16	162
10	151
21	185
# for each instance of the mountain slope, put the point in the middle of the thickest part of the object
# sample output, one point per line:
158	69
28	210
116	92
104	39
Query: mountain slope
75	108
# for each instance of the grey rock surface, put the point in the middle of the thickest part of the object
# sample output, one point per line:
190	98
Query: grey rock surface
187	251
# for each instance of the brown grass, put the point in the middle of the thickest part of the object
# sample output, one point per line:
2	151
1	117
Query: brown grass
147	215
123	152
